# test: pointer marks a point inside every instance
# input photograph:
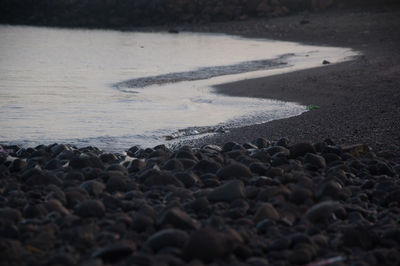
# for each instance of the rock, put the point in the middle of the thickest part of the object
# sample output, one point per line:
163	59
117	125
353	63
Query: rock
188	179
90	208
266	211
228	146
118	182
10	214
261	143
207	245
332	190
321	212
206	166
55	206
259	168
173	165
301	149
83	162
64	259
278	149
257	261
136	165
357	150
93	187
74	198
300	195
34	210
167	238
326	62
300	256
44	178
234	171
178	219
114	252
314	161
228	192
109	158
142	222
162	179
17	165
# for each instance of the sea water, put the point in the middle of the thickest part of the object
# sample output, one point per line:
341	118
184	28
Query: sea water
114	89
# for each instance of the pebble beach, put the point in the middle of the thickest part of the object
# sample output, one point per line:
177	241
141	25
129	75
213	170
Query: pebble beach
321	188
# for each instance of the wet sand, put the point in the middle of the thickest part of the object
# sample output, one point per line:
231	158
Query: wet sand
359	100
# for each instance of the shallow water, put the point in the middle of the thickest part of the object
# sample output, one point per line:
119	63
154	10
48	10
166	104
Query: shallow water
114	89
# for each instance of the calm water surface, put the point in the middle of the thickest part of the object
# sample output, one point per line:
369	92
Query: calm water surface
116	89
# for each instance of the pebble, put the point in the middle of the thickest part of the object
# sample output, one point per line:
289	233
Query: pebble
90	208
207	245
321	212
266	211
301	149
114	252
243	204
167	238
233	171
227	192
178	219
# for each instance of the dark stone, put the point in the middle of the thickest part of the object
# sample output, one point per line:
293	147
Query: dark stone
44	178
93	187
17	165
55	206
178	219
142	222
90	208
136	165
300	256
109	158
206	166
83	162
234	171
118	182
114	252
300	195
228	192
359	236
173	165
157	178
167	238
207	245
188	179
228	146
53	164
34	210
261	143
314	161
301	149
64	259
10	214
278	149
274	172
321	212
266	211
74	175
74	198
259	168
65	155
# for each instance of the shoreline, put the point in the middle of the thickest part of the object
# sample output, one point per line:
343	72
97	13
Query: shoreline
359	99
260	203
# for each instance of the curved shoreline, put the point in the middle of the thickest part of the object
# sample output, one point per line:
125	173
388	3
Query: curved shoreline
359	100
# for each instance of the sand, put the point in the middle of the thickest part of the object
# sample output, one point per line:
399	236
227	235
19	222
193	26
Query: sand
359	100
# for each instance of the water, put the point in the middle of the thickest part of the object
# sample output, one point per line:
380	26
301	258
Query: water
114	89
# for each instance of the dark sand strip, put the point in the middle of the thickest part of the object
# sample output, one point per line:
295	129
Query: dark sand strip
360	100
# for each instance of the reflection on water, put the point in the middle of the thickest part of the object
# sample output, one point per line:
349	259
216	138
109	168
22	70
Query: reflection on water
78	86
